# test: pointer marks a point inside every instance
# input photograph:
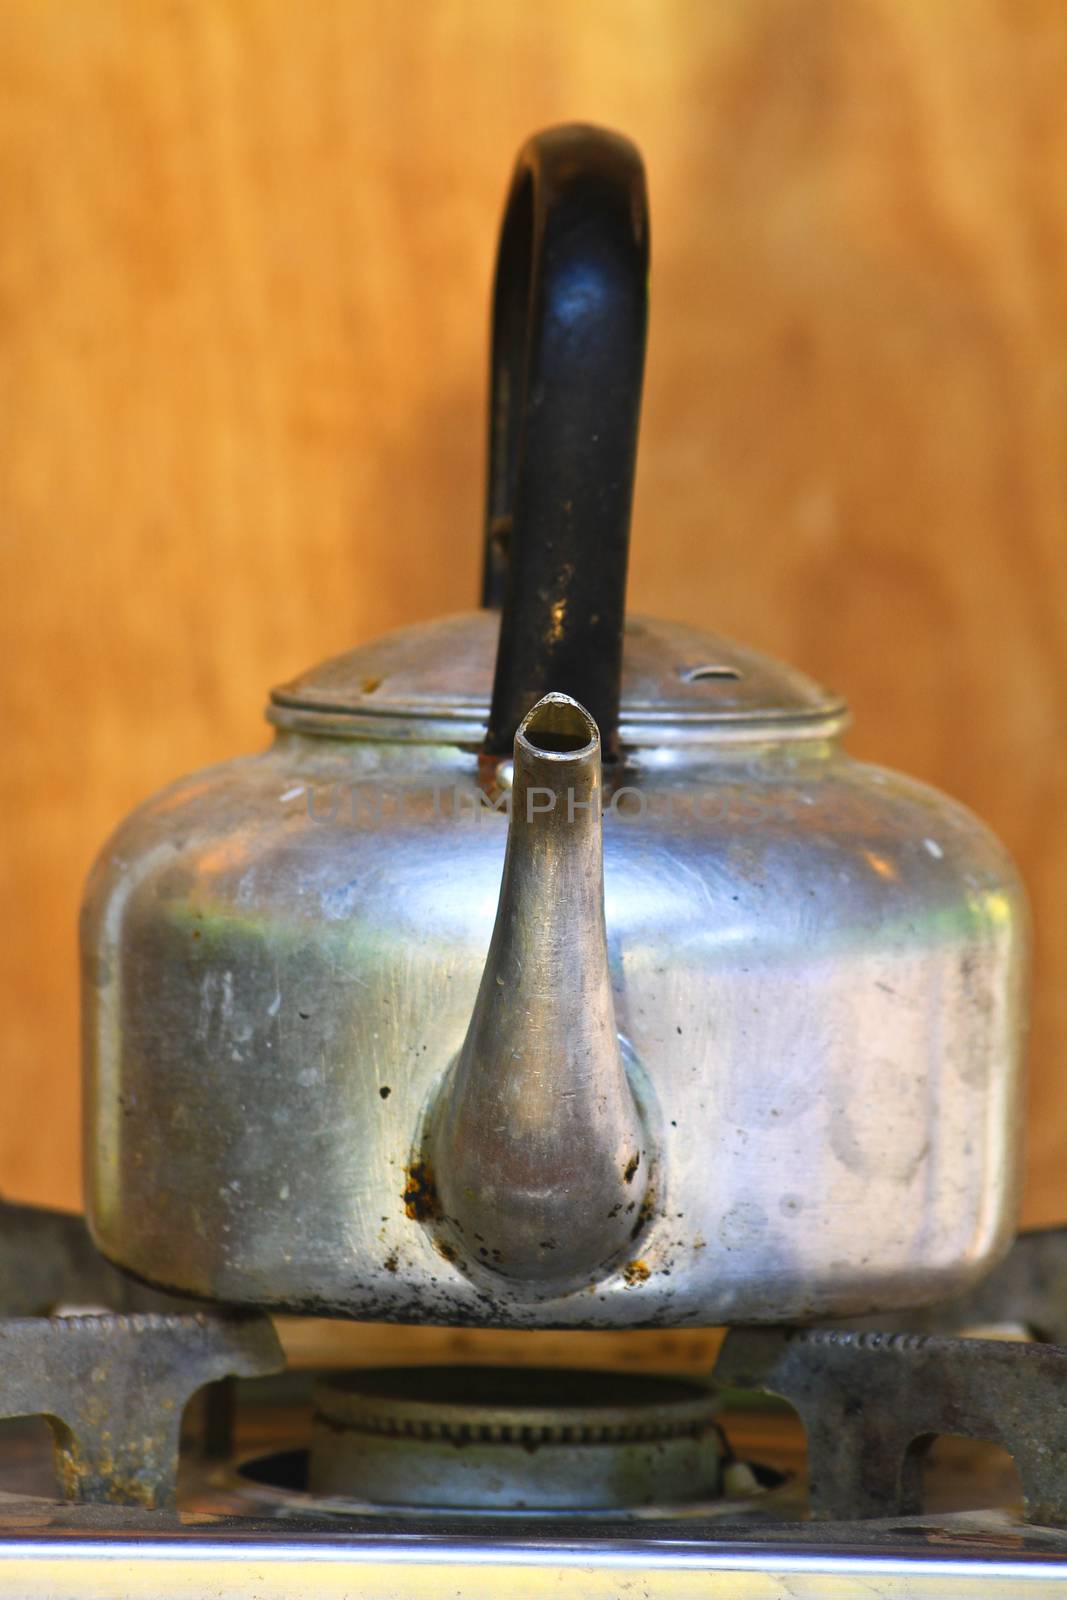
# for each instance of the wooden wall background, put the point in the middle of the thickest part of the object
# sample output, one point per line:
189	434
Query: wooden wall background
244	258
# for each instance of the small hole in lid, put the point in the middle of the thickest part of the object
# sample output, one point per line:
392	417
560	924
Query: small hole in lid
700	674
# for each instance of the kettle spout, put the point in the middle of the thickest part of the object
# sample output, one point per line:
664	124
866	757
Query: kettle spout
539	1150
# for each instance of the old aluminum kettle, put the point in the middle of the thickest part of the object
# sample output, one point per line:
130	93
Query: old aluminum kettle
359	1042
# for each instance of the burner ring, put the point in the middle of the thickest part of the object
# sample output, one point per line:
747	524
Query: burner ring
514	1438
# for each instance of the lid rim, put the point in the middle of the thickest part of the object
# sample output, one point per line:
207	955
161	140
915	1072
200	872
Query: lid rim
464	733
474	711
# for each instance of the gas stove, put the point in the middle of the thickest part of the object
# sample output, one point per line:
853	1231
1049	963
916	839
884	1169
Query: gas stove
179	1457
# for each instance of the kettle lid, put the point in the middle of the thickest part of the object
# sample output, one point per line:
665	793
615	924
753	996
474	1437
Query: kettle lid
432	683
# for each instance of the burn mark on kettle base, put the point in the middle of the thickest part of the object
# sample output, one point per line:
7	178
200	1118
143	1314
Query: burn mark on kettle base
420	1199
449	1253
644	1215
629	1172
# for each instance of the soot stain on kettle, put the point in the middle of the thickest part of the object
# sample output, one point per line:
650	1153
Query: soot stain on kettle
449	1253
645	1213
742	1225
635	1272
421	1202
972	1066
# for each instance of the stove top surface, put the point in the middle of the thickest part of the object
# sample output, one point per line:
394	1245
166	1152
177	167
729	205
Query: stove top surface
235	1534
888	1486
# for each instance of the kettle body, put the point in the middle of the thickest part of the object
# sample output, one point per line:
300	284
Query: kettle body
548	971
818	970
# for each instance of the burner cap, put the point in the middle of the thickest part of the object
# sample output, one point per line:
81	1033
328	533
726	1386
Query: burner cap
514	1438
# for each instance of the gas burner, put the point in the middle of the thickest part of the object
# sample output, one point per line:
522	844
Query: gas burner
498	1438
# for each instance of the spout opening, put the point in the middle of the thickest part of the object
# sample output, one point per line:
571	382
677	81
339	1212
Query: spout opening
559	726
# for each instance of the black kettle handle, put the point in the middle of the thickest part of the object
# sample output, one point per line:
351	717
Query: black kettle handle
570	311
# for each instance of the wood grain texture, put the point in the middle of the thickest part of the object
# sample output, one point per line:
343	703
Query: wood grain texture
244	261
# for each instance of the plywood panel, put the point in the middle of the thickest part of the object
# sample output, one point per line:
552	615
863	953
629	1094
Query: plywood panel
244	260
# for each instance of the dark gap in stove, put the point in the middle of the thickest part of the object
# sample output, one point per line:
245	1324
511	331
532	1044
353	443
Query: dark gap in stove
957	1473
764	1436
285	1469
27	1465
